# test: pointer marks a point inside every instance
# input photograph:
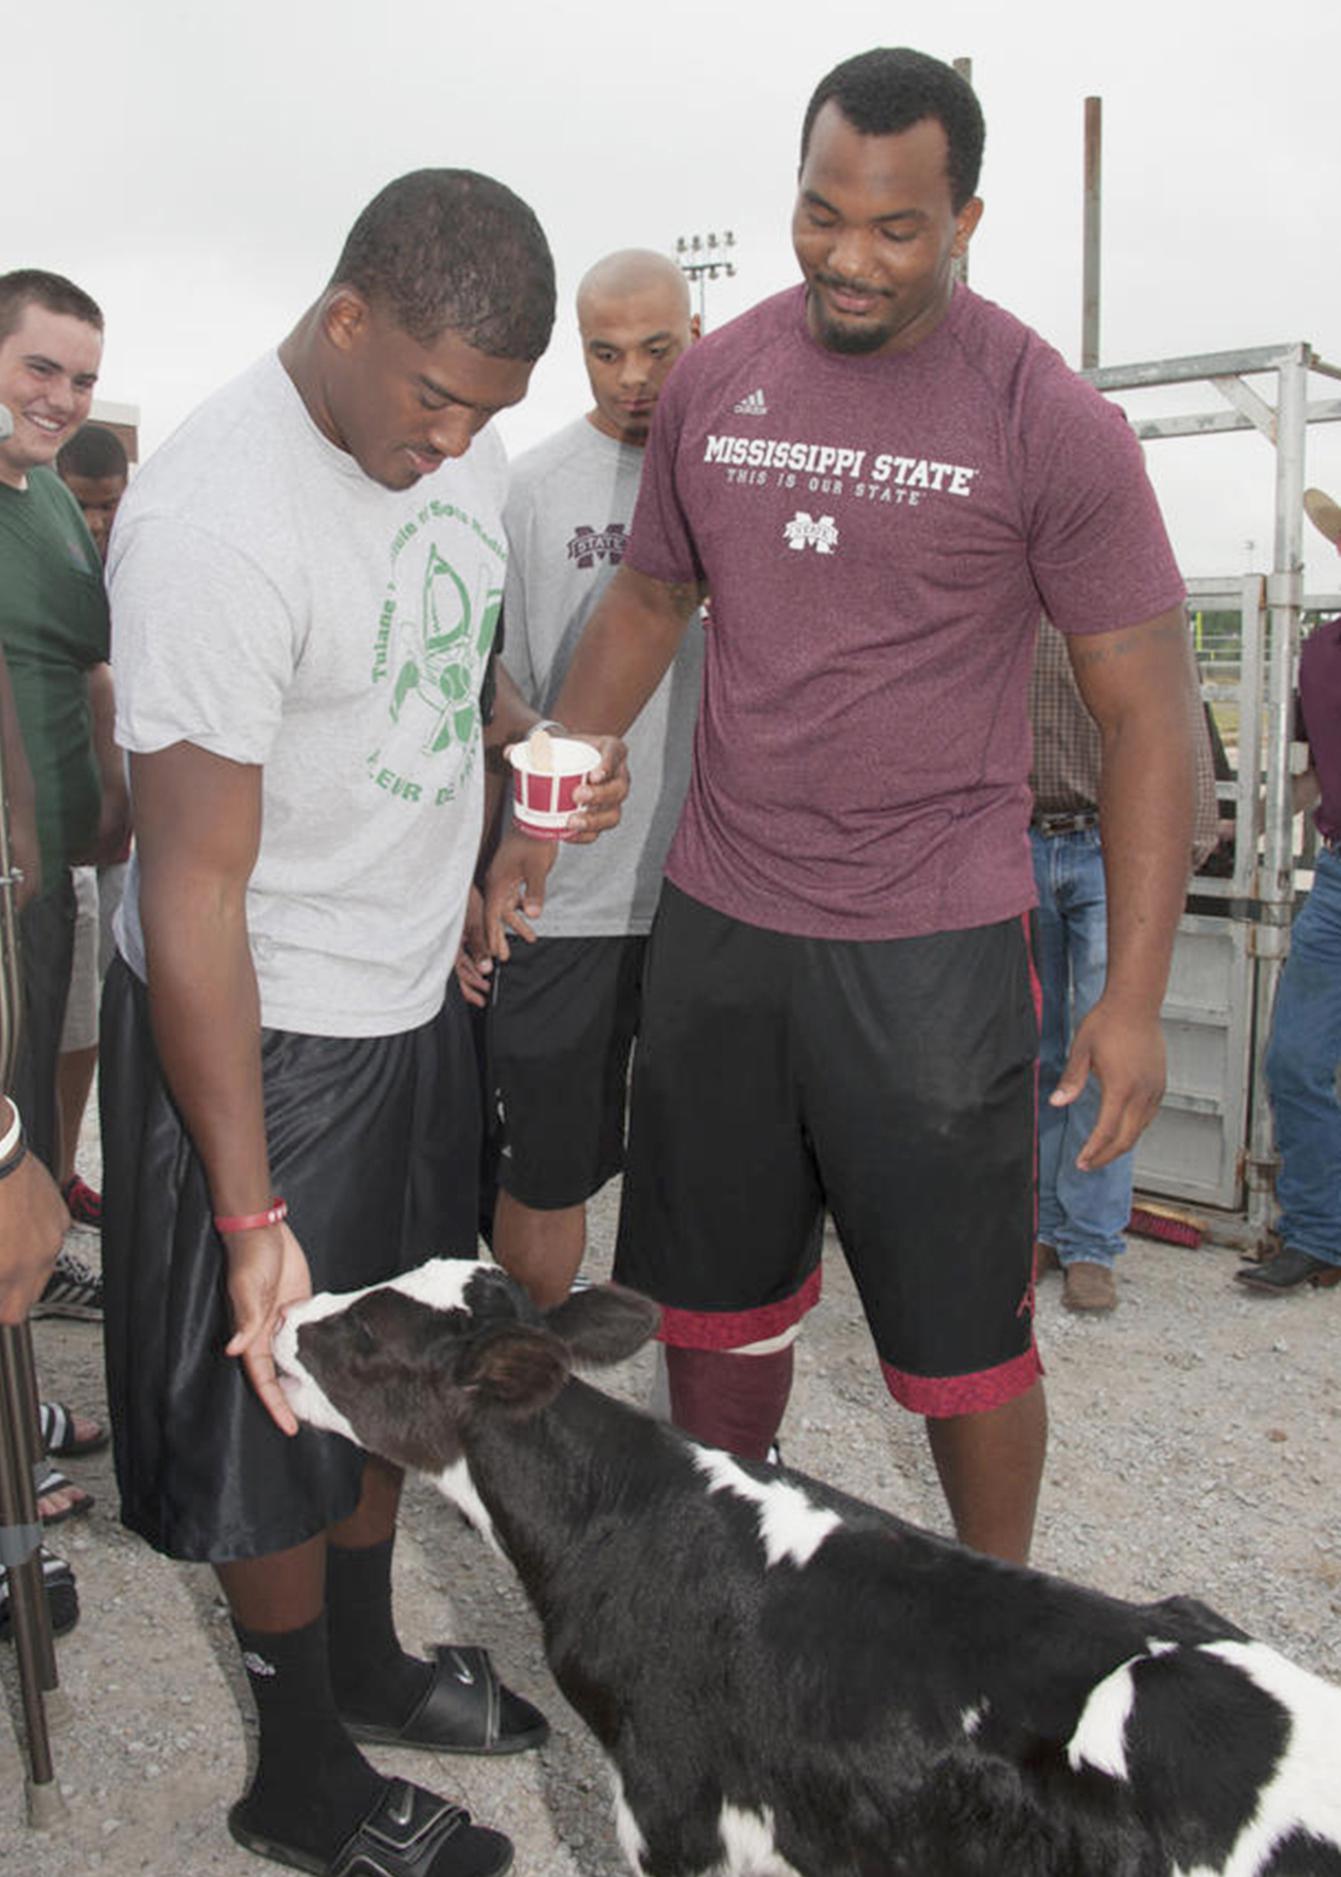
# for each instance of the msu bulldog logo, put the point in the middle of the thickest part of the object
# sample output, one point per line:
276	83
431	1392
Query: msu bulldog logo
804	531
590	545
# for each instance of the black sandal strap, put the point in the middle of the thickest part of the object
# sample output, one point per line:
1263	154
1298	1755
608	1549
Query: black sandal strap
464	1709
401	1836
464	1668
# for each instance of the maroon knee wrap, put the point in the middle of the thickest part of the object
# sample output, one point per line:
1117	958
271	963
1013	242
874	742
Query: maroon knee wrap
728	1400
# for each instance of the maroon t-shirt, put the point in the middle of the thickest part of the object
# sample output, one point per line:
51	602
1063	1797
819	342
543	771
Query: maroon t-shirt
1320	708
879	537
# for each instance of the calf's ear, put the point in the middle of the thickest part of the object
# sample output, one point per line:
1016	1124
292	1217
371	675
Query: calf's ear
519	1369
605	1324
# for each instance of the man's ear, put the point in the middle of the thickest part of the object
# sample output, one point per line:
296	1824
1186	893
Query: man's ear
695	329
965	223
345	316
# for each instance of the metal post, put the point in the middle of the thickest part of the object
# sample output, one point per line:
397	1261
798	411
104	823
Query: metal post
1089	306
1276	880
1251	701
960	268
20	1540
1284	601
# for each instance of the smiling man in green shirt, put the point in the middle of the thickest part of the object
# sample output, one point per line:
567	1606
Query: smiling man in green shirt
54	630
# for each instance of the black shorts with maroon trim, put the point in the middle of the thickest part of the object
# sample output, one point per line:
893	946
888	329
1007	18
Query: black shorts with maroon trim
891	1082
561	1026
374	1143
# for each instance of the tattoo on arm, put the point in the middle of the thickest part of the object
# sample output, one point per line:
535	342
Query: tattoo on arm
1085	656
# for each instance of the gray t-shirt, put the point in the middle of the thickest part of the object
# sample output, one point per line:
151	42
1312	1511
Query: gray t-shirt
275	606
568	512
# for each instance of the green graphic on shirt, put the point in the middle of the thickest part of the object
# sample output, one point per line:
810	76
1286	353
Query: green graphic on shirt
433	652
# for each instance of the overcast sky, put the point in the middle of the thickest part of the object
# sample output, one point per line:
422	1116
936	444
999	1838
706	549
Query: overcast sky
196	169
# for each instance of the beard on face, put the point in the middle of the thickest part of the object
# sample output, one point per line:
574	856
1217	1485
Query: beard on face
852	339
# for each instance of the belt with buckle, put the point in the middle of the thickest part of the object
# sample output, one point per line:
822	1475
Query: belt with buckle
1048	825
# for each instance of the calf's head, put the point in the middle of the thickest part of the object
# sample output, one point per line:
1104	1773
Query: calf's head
400	1368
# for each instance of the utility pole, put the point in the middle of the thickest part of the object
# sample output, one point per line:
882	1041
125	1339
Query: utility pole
964	67
1089	299
702	258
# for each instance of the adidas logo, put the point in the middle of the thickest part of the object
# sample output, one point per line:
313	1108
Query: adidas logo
755	405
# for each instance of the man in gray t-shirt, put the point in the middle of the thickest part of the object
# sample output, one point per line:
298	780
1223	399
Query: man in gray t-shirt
565	1008
306	582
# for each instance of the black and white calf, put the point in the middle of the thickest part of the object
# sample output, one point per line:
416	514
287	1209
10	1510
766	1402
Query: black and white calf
787	1681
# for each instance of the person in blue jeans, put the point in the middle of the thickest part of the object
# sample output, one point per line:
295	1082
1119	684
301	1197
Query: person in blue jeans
1305	1048
1082	1214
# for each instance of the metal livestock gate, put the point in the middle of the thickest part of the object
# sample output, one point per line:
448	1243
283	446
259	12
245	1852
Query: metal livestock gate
1211	1143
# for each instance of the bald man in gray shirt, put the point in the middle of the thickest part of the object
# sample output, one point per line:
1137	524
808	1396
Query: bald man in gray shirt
565	1007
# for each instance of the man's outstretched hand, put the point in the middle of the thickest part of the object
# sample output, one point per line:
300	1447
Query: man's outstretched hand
514	887
266	1271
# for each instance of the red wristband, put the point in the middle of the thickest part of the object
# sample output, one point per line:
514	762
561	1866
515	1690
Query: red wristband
252	1221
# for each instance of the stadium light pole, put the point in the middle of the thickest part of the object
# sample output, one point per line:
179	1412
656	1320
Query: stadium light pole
702	258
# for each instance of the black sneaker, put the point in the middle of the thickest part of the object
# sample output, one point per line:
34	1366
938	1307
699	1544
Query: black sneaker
74	1289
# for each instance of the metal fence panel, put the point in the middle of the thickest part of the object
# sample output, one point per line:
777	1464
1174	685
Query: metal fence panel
1193	1150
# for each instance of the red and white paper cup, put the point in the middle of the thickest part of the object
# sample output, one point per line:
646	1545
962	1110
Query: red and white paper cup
542	799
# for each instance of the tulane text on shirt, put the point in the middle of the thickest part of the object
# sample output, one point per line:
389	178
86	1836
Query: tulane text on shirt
829	459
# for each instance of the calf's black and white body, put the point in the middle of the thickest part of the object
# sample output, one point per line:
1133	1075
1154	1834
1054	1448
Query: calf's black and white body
789	1683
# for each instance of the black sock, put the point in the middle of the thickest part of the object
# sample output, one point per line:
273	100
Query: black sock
372	1676
312	1786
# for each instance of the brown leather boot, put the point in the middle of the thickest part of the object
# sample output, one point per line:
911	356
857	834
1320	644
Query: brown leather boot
1089	1287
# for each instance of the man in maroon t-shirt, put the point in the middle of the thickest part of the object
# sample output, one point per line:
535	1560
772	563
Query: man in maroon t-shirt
882	479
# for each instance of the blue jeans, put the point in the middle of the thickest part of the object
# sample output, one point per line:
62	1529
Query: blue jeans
1081	1215
1301	1066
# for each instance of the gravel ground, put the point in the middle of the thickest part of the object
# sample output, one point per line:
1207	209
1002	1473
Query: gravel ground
1194	1448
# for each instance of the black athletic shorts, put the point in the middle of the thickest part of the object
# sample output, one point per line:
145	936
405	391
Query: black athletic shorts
890	1082
562	1021
374	1143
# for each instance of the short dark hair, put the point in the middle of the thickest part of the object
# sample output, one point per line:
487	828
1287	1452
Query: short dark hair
94	452
450	250
890	89
33	286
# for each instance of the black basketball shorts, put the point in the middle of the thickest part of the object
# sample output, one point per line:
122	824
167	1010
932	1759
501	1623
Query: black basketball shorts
374	1143
891	1083
560	1030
